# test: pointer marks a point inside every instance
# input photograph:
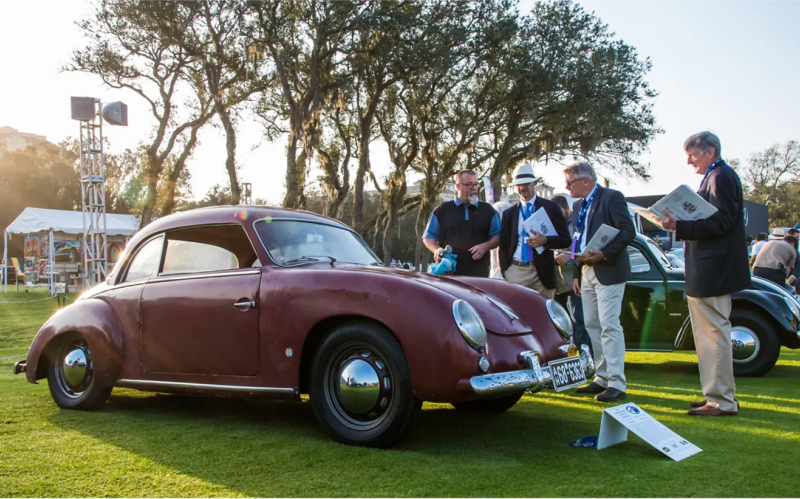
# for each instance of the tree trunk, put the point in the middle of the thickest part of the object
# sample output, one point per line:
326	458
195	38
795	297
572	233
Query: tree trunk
395	192
230	146
152	189
180	165
290	200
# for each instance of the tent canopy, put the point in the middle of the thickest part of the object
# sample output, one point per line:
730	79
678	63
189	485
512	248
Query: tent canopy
33	220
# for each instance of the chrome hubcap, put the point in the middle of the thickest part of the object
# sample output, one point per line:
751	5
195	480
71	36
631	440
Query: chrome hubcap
359	386
745	344
75	367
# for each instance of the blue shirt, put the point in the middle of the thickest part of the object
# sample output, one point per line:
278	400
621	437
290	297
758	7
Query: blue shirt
432	230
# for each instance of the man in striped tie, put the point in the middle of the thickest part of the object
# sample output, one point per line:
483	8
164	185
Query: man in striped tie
520	262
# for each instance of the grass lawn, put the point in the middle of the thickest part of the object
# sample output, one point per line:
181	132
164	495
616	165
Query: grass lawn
143	444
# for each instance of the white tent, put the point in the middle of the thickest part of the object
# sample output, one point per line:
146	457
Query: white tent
35	220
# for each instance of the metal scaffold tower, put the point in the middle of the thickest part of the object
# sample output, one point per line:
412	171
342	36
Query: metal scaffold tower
93	199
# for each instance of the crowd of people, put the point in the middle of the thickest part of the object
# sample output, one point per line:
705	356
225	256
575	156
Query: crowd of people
590	283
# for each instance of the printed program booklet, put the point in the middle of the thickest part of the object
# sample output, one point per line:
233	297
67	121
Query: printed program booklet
604	235
541	223
682	203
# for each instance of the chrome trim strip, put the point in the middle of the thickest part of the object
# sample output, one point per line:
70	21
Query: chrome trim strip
649	281
204	276
127	285
682	332
502	307
137	383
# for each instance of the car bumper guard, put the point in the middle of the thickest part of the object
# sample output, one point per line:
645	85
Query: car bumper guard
21	366
533	379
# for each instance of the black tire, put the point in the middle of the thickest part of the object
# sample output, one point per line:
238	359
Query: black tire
499	404
379	406
74	386
753	360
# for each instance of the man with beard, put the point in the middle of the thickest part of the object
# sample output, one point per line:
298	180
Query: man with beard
466	224
520	263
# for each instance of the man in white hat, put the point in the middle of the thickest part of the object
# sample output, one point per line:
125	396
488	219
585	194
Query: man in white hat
519	260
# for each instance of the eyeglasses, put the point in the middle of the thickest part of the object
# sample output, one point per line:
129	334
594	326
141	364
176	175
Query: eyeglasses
569	183
470	185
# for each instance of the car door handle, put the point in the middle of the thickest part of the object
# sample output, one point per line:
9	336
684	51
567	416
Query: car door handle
245	304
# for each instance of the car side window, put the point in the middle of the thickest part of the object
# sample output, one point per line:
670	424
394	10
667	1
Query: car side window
208	249
639	264
145	262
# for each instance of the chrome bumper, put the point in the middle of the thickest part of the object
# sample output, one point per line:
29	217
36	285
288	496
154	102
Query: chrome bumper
21	366
533	379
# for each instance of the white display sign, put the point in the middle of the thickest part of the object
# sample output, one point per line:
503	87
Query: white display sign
618	420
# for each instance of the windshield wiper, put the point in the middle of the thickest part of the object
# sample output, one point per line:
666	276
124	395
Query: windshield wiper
302	259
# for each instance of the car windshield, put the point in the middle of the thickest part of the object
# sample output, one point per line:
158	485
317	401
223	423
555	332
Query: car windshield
296	242
659	255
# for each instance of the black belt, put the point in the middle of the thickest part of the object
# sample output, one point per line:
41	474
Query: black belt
517	263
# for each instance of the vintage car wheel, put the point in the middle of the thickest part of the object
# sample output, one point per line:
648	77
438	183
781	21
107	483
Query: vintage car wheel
361	386
499	404
754	342
70	377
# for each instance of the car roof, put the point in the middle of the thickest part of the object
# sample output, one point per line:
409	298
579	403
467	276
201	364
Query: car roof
228	214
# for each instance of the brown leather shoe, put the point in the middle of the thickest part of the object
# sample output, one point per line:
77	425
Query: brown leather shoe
711	409
701	403
592	388
611	395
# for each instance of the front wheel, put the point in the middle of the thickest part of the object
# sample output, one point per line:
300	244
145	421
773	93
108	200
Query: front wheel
71	377
754	342
499	404
361	386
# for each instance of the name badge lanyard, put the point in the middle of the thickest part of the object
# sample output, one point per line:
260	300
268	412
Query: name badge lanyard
581	218
713	165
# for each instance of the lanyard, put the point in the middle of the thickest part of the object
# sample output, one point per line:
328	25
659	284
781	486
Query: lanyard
585	209
713	165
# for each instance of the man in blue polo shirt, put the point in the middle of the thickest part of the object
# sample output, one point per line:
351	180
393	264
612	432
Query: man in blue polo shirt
468	225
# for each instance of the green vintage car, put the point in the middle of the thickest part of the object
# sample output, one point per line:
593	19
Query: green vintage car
655	315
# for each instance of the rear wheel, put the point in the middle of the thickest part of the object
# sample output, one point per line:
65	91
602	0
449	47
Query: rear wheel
499	404
755	344
71	377
361	386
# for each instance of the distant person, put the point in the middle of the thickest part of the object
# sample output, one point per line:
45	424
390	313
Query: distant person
519	259
761	240
470	226
716	267
565	295
494	268
776	260
796	270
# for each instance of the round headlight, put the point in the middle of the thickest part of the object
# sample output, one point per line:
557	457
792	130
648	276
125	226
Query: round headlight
560	318
470	324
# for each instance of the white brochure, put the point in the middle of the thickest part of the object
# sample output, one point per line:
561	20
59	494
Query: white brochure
539	222
616	422
604	235
682	203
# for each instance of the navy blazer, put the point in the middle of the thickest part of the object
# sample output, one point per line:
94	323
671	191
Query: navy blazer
545	262
716	250
609	207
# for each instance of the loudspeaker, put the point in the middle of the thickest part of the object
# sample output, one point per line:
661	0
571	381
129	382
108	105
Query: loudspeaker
83	108
116	113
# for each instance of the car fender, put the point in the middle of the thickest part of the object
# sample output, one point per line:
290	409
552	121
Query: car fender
96	321
774	308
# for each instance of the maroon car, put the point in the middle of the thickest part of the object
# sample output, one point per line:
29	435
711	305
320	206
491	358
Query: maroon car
257	301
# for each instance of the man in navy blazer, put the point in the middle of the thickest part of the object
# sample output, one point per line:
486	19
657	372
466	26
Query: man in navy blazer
716	267
599	279
519	260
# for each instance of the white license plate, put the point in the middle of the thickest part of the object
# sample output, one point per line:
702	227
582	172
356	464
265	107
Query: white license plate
566	373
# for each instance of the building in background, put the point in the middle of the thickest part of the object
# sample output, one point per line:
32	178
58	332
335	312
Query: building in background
12	139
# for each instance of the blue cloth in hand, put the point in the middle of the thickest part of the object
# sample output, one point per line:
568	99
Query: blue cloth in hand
446	266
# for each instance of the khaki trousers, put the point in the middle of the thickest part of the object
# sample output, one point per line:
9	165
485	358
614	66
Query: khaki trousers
712	338
602	307
528	277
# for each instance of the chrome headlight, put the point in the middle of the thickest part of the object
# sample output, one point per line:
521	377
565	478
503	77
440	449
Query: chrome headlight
560	318
470	324
793	306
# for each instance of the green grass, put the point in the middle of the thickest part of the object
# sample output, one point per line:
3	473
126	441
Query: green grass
143	444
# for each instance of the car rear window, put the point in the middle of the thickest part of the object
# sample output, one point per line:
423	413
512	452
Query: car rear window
207	249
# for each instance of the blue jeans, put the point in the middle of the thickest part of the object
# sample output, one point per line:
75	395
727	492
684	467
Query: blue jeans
575	308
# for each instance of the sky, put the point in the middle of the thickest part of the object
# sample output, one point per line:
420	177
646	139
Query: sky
728	67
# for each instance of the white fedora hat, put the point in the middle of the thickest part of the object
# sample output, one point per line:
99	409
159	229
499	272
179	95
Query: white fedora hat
523	174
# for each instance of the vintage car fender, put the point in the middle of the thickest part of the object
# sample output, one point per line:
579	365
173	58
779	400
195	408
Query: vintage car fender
96	321
303	304
770	305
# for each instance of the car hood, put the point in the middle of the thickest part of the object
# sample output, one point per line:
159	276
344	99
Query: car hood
494	318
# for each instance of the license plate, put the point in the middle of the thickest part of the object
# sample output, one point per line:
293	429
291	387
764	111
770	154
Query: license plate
566	373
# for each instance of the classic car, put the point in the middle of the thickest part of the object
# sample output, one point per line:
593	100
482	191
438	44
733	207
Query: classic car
655	314
256	301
